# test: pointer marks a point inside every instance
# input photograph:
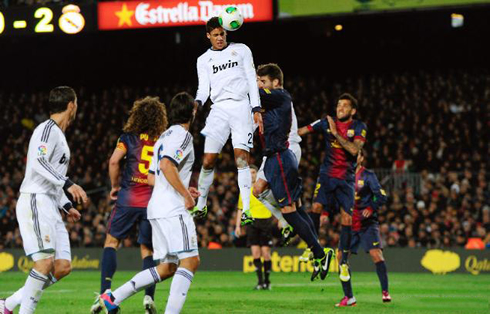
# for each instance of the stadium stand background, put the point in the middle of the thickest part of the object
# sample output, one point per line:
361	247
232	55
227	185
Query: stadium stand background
425	99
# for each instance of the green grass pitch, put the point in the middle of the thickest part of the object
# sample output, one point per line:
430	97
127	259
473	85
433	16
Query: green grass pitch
231	292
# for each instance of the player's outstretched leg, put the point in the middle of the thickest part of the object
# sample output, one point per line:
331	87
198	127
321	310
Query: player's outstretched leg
110	301
148	262
206	177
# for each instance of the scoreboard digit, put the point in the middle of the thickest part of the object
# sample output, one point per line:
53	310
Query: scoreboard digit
2	23
44	25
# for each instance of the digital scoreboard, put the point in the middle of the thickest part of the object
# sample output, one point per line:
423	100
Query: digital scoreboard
69	19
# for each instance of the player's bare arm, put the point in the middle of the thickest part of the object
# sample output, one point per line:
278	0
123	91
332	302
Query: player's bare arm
171	173
151	179
352	147
115	171
258	121
304	130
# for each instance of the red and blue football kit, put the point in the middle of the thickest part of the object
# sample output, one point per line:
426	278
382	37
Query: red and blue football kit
135	192
335	182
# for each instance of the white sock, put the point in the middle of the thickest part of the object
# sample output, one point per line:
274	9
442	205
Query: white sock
15	299
178	290
267	198
139	282
206	178
245	186
32	291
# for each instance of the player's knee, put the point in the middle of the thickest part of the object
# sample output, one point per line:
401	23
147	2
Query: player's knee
345	219
111	242
44	266
191	264
63	270
166	270
259	187
209	161
241	162
145	251
376	255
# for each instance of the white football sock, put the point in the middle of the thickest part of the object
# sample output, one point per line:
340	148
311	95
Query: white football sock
267	198
15	299
139	282
206	178
178	290
245	186
32	291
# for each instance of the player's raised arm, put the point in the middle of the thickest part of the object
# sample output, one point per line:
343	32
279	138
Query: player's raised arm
352	147
203	84
115	168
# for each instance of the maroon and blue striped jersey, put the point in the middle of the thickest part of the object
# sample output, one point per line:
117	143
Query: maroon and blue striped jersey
338	162
135	191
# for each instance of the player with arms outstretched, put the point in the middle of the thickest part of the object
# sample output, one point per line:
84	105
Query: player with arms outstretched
344	137
281	168
227	76
370	196
43	232
147	120
174	235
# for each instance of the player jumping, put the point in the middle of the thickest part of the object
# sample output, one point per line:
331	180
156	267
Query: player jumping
147	120
344	139
43	232
281	167
365	228
227	75
173	231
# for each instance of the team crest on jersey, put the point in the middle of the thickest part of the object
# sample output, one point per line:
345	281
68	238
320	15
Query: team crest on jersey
42	150
179	154
234	53
350	133
360	183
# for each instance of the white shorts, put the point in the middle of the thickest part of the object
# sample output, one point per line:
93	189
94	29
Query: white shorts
294	147
230	117
41	226
174	238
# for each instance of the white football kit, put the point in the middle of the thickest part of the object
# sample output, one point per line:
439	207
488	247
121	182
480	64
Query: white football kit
229	79
41	193
173	231
294	139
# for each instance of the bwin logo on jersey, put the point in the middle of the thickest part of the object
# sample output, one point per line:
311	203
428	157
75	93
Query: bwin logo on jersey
217	68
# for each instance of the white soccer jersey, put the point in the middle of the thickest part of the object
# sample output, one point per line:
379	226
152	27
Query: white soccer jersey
293	134
227	74
47	162
175	144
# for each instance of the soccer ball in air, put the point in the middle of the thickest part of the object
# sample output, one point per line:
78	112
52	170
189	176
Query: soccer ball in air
230	18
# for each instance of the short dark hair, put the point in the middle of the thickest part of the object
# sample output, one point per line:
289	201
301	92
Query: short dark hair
60	97
349	97
212	24
272	70
181	108
254	167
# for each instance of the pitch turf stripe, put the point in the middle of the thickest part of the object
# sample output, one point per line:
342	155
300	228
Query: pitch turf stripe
47	131
36	276
35	219
153	272
50	168
184	274
184	234
186	142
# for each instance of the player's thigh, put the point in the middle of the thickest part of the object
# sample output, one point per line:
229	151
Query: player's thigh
37	228
253	234
122	220
296	149
180	232
266	232
371	238
217	128
344	195
242	128
160	241
281	172
62	248
323	193
144	230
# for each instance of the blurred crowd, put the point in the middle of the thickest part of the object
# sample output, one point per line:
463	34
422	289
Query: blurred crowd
435	124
